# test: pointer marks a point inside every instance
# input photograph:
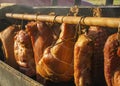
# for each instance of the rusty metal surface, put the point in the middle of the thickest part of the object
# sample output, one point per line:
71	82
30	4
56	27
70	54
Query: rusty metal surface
107	11
12	77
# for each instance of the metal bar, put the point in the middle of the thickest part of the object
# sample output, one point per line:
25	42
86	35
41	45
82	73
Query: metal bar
96	21
109	2
54	2
77	2
11	77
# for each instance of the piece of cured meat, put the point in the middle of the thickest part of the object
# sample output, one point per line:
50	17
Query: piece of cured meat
112	61
57	61
7	39
99	36
41	37
82	60
23	52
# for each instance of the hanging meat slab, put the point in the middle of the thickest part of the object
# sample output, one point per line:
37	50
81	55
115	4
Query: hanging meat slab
23	52
112	61
99	36
7	39
41	37
83	52
57	61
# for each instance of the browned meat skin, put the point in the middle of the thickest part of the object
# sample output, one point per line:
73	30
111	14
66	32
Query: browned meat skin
41	37
57	61
99	35
112	61
23	53
82	61
7	38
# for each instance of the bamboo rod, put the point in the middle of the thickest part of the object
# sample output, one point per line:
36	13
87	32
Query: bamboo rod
97	21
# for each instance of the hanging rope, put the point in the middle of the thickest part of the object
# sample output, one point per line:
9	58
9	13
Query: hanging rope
22	22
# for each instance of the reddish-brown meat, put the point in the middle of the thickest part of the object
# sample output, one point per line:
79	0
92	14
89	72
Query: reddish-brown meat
112	61
7	38
23	53
57	61
99	36
41	37
82	61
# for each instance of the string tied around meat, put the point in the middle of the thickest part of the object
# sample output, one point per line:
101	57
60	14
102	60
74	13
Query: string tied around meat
73	11
52	29
80	27
77	32
63	40
54	20
56	75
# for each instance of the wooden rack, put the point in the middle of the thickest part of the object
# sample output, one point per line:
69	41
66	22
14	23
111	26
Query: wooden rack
96	21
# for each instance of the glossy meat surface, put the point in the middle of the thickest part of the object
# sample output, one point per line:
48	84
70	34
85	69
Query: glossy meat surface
112	61
57	61
83	52
23	52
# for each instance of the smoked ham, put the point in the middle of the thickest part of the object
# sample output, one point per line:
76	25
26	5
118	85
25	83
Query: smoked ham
57	61
112	61
7	39
82	61
99	36
41	37
23	53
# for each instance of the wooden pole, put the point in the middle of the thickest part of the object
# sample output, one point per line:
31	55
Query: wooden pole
90	21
